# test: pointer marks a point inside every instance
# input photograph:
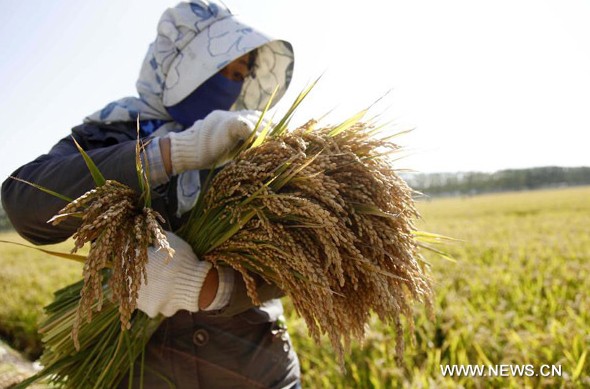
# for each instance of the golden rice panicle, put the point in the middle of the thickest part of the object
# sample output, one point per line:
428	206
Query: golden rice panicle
119	233
333	223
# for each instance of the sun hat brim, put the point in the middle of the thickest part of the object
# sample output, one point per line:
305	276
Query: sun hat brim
221	43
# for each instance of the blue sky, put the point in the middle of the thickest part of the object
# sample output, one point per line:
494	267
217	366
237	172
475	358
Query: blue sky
487	85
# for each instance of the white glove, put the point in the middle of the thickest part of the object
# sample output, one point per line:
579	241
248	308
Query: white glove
177	284
209	140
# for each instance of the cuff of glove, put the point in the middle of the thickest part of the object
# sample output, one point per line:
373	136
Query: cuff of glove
183	151
224	290
153	159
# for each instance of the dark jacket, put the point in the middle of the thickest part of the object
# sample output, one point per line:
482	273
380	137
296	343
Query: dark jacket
239	346
63	170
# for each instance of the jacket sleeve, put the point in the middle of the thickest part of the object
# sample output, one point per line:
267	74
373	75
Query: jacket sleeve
64	171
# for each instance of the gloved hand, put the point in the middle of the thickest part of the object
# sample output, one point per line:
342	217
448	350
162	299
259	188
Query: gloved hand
177	284
210	140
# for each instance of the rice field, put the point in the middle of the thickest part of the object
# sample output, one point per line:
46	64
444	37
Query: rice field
515	299
517	295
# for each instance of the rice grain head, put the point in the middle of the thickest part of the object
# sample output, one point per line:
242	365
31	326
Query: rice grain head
119	233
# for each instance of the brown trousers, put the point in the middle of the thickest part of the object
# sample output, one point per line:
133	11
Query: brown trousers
199	351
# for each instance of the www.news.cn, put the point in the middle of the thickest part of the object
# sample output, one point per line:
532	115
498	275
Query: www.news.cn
500	371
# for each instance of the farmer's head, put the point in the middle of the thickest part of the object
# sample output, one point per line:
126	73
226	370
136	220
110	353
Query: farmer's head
204	58
220	91
241	68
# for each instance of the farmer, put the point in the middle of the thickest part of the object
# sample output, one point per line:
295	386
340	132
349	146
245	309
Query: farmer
200	86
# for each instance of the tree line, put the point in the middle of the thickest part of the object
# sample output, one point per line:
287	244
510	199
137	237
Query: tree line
470	183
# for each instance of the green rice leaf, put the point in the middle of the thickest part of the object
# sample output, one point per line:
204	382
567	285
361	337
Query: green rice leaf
41	188
97	176
345	125
368	209
580	366
261	136
395	135
73	257
281	127
256	137
283	179
142	173
430	237
65	215
428	241
439	252
231	230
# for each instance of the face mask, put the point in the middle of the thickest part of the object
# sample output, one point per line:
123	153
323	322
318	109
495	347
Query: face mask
218	92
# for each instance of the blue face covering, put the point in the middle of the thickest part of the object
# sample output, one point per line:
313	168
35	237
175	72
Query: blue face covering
218	92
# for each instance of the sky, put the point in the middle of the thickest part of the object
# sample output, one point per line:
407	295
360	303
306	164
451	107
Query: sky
485	85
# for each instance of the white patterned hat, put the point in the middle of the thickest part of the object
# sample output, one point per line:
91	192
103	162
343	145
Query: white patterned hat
196	40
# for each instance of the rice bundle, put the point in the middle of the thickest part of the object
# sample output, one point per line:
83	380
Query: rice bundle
93	325
119	233
319	212
323	215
